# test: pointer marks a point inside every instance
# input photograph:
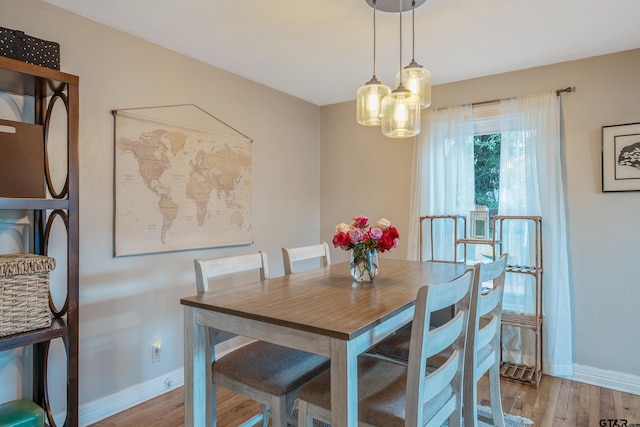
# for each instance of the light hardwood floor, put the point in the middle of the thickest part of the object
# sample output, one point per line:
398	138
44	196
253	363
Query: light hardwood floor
557	402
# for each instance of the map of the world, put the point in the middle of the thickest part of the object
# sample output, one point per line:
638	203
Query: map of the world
179	187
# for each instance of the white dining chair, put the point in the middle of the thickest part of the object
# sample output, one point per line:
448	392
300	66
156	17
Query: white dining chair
392	394
483	342
267	373
291	256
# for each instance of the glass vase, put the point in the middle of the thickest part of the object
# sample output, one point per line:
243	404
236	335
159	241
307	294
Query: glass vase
364	264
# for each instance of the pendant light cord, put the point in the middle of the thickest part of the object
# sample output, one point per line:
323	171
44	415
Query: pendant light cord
374	38
413	30
400	13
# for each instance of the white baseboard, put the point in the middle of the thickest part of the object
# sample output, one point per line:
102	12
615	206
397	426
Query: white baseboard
100	409
627	383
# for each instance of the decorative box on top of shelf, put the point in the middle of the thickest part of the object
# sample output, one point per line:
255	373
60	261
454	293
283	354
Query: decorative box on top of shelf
16	44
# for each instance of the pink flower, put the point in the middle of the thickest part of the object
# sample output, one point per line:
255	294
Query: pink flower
375	233
356	234
360	221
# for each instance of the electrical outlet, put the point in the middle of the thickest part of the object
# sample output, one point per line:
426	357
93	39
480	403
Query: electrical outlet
156	351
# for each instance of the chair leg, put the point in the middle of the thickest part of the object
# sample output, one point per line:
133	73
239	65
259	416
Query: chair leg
291	420
470	403
494	391
279	415
214	404
303	418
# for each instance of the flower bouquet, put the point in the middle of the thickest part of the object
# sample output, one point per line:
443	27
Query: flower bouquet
365	242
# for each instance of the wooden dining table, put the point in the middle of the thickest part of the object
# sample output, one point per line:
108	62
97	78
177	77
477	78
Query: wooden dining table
321	311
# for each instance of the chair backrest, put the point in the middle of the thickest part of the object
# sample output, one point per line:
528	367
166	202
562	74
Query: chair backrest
485	315
422	386
210	268
217	267
293	255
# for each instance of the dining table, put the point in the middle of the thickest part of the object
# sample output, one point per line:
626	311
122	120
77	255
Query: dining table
322	311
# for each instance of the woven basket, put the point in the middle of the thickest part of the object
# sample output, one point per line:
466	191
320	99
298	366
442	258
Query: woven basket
24	292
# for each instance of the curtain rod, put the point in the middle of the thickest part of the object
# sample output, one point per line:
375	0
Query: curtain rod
493	101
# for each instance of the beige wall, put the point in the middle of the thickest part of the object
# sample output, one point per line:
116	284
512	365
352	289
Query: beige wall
127	303
318	170
363	172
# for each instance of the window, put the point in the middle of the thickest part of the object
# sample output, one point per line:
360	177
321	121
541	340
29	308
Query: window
486	161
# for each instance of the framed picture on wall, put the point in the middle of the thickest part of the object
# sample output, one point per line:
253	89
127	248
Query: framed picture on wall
621	157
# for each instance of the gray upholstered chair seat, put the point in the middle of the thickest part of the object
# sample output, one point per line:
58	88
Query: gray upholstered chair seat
396	346
381	392
268	367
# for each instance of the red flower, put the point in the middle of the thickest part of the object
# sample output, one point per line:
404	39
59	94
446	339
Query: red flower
392	231
389	239
342	240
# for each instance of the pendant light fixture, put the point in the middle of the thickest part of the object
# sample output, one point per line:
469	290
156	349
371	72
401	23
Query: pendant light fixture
416	77
397	112
369	97
401	108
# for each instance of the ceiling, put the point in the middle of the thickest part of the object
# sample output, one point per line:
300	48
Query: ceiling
322	51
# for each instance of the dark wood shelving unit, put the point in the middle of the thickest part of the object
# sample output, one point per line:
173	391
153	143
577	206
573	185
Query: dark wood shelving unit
47	87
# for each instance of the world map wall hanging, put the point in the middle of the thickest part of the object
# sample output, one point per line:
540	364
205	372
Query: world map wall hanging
182	181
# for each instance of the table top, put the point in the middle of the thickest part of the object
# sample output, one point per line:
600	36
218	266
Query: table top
326	300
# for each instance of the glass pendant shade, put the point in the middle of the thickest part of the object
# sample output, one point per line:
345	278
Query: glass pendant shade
369	102
397	112
418	80
401	114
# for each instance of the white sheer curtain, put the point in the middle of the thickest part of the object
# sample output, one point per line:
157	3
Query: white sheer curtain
531	183
443	178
